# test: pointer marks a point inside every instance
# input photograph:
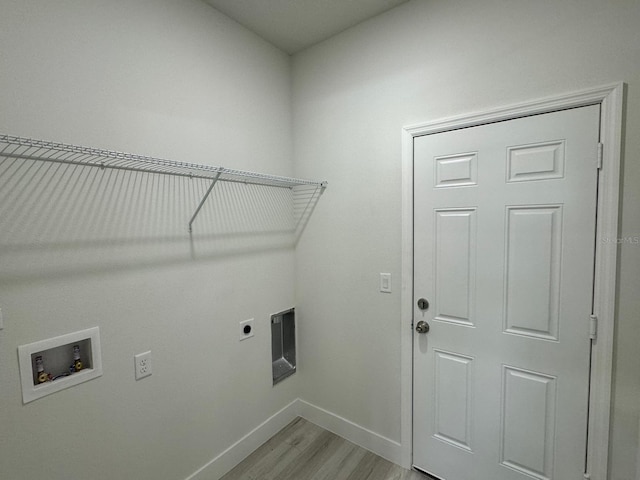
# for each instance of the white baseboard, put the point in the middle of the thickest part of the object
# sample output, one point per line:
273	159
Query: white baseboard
638	455
225	461
241	449
374	442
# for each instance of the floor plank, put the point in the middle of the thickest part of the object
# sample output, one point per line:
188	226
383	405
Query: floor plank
304	451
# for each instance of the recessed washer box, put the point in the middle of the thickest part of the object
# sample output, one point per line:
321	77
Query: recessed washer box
57	357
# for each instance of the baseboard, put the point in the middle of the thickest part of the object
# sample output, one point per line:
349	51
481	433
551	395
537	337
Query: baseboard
225	461
241	449
374	442
638	455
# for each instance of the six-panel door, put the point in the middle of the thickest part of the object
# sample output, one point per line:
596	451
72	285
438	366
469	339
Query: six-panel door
504	228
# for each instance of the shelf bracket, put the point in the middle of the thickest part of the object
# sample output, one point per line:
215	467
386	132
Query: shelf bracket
319	190
204	199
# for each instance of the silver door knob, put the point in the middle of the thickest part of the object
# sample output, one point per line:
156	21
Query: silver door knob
422	327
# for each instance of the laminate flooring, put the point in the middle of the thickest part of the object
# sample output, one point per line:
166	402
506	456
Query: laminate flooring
304	451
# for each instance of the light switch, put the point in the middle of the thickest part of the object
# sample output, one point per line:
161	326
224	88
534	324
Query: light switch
385	282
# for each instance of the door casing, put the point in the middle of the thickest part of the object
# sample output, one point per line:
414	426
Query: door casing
611	100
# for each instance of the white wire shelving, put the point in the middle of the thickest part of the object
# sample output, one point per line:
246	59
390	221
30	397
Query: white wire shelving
14	147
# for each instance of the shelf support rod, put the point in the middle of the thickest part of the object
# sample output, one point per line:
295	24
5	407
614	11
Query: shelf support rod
204	199
319	190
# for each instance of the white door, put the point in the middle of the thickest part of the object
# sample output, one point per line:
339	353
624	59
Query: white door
504	232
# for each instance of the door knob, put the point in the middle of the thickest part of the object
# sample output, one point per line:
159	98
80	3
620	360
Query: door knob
422	327
423	304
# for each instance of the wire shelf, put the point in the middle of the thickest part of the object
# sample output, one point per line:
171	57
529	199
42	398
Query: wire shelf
30	149
14	149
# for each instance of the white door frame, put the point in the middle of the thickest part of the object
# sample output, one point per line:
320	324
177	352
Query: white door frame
610	98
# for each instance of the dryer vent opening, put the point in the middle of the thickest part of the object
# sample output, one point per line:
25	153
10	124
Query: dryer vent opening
283	344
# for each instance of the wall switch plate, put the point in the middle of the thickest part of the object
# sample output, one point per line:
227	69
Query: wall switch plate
143	365
385	282
246	329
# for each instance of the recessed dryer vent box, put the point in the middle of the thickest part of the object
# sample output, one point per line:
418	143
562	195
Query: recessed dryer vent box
54	364
283	345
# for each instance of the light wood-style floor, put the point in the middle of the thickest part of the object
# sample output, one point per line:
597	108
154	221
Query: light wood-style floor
304	451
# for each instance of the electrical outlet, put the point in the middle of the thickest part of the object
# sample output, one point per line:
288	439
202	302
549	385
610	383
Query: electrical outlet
246	329
143	364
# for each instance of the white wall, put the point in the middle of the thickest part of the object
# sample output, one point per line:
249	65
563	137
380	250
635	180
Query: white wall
172	79
424	61
176	80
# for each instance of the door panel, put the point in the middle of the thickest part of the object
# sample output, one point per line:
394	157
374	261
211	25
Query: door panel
532	290
504	228
455	265
528	422
452	390
535	162
456	170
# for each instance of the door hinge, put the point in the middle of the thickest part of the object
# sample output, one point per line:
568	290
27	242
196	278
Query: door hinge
593	327
600	155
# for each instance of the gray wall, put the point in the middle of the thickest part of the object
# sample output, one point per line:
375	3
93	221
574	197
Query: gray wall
173	79
423	61
177	80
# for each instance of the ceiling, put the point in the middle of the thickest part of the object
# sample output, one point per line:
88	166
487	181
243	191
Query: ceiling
293	25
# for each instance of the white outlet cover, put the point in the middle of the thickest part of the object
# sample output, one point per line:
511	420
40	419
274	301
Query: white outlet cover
246	329
142	363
